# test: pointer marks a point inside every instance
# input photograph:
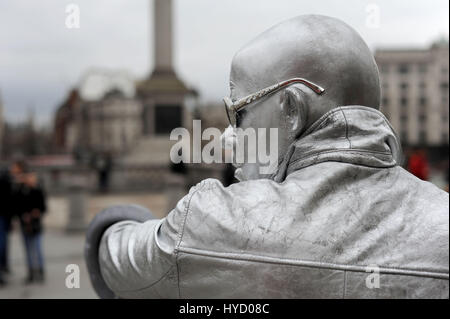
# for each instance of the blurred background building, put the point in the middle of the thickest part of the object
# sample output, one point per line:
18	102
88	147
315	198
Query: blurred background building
100	116
415	93
114	122
415	100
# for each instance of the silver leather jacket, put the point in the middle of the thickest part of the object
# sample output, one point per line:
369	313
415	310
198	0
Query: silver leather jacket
339	211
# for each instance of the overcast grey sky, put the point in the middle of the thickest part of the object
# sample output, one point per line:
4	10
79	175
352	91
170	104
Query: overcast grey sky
40	59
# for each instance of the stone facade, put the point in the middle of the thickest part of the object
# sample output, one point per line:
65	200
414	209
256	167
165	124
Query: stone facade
415	93
163	96
109	121
65	132
112	124
131	120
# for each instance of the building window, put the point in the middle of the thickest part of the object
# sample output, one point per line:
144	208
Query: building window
444	86
403	137
422	85
167	117
422	101
403	101
422	118
403	68
422	68
385	101
404	119
404	86
422	137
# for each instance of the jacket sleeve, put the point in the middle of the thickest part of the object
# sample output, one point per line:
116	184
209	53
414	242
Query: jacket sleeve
138	260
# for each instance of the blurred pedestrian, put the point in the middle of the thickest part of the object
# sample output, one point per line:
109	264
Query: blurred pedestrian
418	164
103	165
31	224
4	225
5	220
228	175
10	183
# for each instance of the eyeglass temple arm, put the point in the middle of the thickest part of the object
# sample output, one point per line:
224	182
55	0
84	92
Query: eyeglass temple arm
249	98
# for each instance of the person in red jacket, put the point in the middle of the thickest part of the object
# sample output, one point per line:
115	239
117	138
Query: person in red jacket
418	164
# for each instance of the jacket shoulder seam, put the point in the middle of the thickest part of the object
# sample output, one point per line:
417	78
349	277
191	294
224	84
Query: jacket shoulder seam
418	272
201	186
181	231
346	129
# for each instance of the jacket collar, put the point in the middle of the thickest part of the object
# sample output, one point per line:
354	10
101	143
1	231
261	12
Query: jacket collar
350	134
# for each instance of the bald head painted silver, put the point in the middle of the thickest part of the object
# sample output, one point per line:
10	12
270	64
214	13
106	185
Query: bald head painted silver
295	72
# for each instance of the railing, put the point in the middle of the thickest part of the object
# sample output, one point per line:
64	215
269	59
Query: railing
60	179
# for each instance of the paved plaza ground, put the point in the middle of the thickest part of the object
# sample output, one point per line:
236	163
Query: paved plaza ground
62	248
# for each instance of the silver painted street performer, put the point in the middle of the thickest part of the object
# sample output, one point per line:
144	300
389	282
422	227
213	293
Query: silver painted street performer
337	211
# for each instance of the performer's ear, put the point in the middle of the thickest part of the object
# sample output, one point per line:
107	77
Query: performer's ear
293	106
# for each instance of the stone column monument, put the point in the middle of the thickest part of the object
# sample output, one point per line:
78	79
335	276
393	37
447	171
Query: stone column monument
163	93
162	15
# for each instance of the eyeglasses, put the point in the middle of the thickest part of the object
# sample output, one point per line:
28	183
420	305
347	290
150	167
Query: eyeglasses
232	108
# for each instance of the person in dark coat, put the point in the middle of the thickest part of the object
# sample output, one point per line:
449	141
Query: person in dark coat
31	224
9	182
5	223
